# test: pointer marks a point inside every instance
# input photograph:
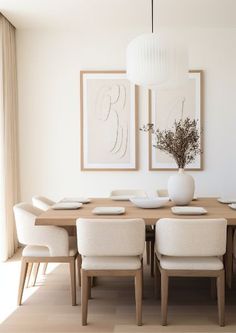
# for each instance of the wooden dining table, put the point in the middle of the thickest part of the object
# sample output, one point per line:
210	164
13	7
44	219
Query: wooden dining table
215	209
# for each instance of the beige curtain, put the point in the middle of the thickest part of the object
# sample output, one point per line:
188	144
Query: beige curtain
8	139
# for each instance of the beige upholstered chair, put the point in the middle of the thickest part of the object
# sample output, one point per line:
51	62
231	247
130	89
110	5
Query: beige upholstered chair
162	193
191	247
150	234
43	244
42	203
111	247
137	193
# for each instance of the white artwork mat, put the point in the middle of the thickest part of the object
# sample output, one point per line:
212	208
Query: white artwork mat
108	122
165	108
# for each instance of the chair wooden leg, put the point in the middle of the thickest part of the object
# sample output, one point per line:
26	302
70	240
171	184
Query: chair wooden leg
24	267
84	296
45	265
152	257
29	271
138	297
164	296
229	256
73	280
148	252
221	298
89	286
157	279
79	269
93	281
213	288
142	279
35	273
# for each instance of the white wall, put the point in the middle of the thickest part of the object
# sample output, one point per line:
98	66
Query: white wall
49	62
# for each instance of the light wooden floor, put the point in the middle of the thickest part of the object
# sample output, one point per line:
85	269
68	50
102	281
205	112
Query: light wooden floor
47	306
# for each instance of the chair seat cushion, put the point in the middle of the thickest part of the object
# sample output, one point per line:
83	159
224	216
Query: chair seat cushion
191	263
43	251
115	263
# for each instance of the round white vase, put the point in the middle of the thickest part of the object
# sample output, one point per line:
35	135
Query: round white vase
181	188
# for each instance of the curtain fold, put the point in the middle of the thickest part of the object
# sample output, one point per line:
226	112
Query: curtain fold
9	166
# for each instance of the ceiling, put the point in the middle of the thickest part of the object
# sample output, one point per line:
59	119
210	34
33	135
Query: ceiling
64	14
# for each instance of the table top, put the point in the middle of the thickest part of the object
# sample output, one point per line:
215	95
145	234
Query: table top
214	209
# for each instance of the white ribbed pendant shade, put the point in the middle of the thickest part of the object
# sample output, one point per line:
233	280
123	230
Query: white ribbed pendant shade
156	64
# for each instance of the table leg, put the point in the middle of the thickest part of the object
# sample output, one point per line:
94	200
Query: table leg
229	256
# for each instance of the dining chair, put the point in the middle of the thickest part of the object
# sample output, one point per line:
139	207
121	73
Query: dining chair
150	233
190	248
111	247
131	192
44	204
43	244
162	193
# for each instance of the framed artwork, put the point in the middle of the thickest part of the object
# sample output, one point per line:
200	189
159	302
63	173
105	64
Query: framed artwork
165	106
108	121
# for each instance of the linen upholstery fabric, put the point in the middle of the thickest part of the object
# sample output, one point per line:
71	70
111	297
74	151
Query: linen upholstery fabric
191	237
191	263
110	237
137	193
43	251
162	193
9	170
42	203
56	239
111	262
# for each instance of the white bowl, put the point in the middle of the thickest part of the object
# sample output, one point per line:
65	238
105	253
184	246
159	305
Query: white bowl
155	202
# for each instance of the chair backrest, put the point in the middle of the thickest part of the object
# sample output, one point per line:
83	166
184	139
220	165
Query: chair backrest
110	237
54	238
162	193
137	193
191	237
42	202
25	215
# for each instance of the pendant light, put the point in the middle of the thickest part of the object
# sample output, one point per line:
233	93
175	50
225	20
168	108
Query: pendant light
156	63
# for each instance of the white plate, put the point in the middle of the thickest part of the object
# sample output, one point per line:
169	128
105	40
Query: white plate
226	200
67	205
108	210
182	210
122	197
79	199
233	205
155	202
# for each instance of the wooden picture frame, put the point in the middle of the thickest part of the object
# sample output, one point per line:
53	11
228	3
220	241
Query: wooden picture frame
108	104
169	102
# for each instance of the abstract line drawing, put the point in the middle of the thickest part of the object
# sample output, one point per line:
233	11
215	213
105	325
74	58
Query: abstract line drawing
174	110
111	99
166	107
108	121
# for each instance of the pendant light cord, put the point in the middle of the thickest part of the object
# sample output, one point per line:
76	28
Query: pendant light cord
152	16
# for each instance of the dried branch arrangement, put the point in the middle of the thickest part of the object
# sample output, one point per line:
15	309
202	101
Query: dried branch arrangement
182	142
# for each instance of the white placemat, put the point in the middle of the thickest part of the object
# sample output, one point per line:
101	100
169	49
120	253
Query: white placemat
226	200
76	199
108	210
233	206
182	210
67	205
